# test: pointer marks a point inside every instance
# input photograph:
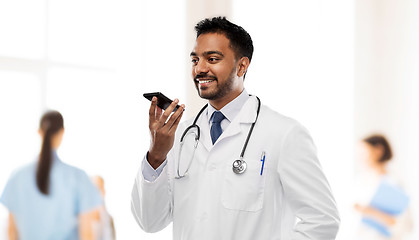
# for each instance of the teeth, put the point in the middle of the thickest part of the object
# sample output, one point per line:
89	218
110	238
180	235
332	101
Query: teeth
205	81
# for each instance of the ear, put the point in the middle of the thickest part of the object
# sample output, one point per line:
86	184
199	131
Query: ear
242	66
379	151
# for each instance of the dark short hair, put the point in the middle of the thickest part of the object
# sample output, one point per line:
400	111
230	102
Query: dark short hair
380	141
240	40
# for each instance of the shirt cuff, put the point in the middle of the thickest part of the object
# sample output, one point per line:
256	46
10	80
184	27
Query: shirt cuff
149	173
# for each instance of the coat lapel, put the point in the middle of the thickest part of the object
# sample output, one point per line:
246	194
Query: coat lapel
247	115
205	131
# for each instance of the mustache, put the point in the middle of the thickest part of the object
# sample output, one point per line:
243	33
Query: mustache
204	76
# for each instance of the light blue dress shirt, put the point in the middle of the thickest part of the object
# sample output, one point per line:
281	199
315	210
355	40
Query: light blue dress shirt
230	111
53	216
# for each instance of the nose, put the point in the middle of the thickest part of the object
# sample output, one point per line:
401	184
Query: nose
201	67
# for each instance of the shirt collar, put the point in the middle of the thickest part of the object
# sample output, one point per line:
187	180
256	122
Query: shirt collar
55	156
232	109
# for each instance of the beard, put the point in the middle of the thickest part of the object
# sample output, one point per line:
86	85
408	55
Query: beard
221	89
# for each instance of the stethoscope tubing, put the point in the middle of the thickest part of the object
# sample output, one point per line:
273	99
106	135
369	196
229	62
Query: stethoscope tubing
194	125
198	135
251	129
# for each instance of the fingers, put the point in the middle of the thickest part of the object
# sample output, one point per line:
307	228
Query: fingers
176	123
155	111
167	112
159	111
152	111
175	117
160	120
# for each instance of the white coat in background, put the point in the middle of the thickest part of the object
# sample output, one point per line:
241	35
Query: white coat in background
291	200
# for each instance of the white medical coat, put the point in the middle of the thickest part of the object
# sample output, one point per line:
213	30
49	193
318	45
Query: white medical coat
291	200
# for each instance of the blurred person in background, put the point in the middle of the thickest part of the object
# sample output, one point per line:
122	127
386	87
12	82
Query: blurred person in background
48	199
104	225
383	204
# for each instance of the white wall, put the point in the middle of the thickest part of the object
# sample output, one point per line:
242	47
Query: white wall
387	82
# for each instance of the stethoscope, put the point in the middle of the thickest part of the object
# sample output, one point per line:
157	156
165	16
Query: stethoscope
239	166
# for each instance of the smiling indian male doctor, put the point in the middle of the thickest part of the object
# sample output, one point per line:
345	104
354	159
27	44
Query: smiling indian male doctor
277	190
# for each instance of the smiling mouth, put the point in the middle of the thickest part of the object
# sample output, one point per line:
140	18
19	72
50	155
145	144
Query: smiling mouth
204	80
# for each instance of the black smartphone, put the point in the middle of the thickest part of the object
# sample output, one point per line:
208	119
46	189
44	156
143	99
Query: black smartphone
163	102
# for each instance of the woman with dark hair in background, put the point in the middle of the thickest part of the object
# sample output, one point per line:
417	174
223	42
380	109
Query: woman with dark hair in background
384	204
49	199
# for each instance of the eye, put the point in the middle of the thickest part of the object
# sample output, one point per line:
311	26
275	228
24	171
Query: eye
212	59
194	61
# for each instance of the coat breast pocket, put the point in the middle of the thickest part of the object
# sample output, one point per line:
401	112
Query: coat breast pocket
245	191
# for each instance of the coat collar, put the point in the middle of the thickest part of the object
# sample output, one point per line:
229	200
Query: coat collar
231	109
247	115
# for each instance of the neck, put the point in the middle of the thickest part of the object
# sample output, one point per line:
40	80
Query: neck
380	169
220	103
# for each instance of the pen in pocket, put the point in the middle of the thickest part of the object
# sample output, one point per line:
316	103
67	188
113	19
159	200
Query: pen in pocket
262	159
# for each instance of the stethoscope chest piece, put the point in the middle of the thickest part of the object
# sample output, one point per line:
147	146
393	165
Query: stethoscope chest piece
239	166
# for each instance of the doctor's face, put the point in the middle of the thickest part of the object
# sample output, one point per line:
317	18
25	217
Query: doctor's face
214	69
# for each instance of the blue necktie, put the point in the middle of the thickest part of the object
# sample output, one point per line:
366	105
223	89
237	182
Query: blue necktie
216	127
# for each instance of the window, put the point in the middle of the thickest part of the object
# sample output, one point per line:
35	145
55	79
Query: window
92	61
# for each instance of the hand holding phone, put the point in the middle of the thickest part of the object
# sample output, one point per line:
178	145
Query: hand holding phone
163	102
162	126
